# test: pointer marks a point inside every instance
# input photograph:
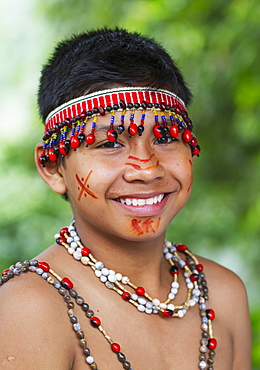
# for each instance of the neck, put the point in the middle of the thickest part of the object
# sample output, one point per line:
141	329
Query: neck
140	260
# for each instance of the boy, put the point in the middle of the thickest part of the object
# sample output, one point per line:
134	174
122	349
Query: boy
118	144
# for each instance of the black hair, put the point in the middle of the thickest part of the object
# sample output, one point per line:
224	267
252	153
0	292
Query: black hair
102	59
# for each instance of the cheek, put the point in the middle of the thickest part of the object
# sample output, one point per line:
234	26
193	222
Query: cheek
83	186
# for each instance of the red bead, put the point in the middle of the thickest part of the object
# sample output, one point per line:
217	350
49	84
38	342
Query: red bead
64	231
210	314
52	155
195	151
187	136
102	111
74	142
174	131
177	111
5	271
194	277
44	266
181	247
85	251
90	138
61	240
95	322
157	131
174	270
212	343
199	267
132	129
194	141
111	136
67	282
62	149
115	347
126	296
167	313
140	290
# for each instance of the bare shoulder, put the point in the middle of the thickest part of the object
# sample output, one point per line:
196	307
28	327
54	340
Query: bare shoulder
33	325
228	297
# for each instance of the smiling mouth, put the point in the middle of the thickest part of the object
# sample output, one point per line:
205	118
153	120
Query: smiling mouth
141	201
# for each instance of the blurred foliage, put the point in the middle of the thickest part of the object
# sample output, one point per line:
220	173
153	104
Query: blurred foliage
216	44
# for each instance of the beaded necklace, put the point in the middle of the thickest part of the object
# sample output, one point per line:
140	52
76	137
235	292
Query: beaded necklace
64	287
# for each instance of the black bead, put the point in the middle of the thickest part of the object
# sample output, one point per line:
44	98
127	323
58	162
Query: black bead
85	307
156	105
121	356
137	105
89	113
73	319
130	105
108	108
126	365
67	145
115	106
122	104
81	137
95	110
120	129
149	105
73	293
140	129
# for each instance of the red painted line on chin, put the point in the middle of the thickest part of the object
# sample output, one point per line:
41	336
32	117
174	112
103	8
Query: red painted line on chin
140	227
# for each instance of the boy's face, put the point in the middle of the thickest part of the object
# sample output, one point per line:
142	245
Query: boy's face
132	190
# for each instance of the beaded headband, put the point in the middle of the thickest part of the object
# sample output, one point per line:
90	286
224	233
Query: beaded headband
75	114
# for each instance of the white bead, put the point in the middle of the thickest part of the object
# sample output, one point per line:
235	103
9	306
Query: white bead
182	263
103	278
196	292
90	360
165	250
186	274
119	276
39	271
156	302
70	240
74	245
175	284
71	250
180	313
71	228
202	365
76	238
56	236
168	256
163	305
73	233
134	297
112	278
148	310
78	249
98	273
155	310
104	271
191	303
141	308
171	306
77	326
168	244
173	249
45	276
85	260
141	301
187	280
125	280
204	327
109	285
190	285
174	290
203	349
149	305
77	256
112	272
99	265
171	295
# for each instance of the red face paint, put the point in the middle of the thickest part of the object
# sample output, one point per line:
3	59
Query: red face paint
84	187
141	160
139	168
141	227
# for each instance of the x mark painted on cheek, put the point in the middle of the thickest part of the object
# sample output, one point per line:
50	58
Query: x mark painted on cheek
137	166
84	186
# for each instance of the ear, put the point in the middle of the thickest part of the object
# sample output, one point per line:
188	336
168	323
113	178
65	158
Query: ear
51	173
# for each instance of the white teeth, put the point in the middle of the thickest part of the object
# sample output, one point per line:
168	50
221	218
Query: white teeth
141	202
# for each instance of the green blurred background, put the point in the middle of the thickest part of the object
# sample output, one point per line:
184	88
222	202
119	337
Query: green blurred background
216	44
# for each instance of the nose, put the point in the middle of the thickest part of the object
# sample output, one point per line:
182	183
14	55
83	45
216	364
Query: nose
144	167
